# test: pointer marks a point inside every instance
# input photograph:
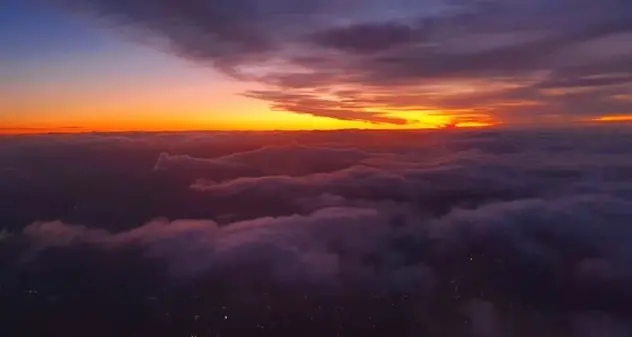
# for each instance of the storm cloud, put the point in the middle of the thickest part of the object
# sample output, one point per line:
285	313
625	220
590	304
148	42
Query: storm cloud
499	61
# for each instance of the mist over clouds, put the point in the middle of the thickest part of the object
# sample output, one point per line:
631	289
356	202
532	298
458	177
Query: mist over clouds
471	233
515	61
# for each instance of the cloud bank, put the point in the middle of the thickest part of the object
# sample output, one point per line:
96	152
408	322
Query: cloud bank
486	233
398	62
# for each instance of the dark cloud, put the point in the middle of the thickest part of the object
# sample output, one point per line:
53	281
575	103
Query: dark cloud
441	52
209	31
482	233
363	38
588	82
308	103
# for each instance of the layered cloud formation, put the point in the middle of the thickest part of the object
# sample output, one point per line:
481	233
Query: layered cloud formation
398	62
521	233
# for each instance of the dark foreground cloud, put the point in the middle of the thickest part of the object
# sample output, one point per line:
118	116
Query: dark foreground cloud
510	61
487	233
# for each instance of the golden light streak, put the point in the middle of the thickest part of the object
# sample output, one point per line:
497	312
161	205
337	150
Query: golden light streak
621	118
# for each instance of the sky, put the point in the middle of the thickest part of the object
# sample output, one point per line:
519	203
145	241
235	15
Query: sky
81	65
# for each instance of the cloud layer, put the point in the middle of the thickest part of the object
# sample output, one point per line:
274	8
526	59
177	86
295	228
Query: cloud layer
494	233
398	62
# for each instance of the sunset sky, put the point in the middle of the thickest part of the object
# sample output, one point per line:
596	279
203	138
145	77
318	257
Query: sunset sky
316	168
81	65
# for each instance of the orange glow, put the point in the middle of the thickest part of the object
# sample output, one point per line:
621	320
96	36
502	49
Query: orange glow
434	119
475	124
190	104
265	119
160	108
622	118
283	121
